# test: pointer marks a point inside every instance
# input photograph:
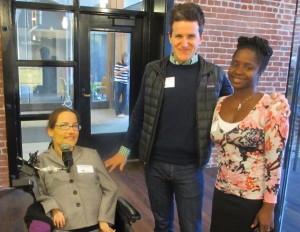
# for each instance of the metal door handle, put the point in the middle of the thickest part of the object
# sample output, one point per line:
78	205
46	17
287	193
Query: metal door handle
86	95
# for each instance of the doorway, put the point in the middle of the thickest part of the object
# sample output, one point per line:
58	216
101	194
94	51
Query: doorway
64	54
108	71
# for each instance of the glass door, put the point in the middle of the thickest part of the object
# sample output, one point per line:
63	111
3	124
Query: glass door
289	201
109	81
107	71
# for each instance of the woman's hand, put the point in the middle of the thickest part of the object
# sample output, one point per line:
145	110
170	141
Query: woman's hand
104	227
265	218
58	218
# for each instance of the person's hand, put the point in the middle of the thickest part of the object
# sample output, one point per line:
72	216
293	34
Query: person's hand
115	161
104	227
265	218
58	218
284	106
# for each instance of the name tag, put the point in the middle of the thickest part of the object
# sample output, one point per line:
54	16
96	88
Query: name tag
170	82
85	169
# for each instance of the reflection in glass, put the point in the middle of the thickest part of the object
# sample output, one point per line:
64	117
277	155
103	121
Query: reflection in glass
43	89
137	5
34	137
44	35
109	82
291	206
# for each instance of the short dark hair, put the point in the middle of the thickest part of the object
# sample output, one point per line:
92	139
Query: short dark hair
187	12
261	48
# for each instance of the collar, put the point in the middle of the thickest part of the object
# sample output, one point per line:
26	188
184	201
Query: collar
193	60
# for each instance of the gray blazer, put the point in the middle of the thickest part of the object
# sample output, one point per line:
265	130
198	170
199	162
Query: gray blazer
85	196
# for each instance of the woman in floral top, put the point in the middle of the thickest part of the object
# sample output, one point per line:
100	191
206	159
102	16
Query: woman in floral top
250	135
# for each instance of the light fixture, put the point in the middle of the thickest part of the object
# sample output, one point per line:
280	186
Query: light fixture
64	23
103	4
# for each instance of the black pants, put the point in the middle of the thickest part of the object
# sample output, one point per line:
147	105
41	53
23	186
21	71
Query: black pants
120	92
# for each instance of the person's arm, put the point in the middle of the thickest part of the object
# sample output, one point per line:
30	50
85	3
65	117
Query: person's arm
133	133
276	134
49	204
109	190
120	71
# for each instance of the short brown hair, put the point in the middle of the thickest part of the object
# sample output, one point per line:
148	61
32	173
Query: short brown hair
187	12
55	113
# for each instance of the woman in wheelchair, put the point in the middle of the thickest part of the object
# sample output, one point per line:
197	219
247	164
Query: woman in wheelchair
74	187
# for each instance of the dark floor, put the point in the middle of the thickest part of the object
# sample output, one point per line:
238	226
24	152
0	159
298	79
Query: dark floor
131	182
132	187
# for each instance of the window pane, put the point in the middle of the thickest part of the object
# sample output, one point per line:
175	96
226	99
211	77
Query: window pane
44	35
137	5
62	2
109	54
43	89
291	209
34	137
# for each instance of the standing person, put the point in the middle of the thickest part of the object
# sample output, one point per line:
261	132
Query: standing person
84	197
121	72
250	135
172	120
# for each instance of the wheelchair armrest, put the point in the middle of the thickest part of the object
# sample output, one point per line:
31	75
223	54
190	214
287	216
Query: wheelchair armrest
127	210
25	184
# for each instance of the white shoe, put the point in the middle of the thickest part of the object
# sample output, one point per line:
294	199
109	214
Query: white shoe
121	116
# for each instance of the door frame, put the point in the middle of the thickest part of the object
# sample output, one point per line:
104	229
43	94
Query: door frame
107	144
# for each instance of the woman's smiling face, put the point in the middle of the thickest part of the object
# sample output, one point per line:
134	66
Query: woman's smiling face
60	136
243	71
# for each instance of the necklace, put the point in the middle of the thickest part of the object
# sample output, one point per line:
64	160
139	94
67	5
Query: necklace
239	106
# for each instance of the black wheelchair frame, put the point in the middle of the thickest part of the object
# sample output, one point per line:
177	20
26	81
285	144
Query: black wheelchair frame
126	214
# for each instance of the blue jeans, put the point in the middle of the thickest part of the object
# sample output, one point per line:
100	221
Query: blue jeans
185	183
120	90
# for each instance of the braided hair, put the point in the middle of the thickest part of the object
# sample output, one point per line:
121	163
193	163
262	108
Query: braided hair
261	47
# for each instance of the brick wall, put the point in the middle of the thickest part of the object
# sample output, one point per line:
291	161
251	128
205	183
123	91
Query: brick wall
4	181
226	20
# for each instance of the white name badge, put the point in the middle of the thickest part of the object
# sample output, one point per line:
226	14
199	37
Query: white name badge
170	82
85	169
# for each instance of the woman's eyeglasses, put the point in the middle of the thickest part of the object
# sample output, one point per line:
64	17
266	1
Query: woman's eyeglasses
76	127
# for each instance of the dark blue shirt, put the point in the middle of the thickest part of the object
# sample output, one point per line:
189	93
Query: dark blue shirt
176	132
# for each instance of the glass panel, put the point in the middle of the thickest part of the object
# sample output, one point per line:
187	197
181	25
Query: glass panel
109	53
137	5
43	89
34	137
62	2
291	209
44	35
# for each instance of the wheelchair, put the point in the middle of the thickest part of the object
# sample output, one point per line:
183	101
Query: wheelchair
126	214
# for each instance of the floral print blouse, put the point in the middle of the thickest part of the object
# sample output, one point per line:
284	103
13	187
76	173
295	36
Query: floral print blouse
250	153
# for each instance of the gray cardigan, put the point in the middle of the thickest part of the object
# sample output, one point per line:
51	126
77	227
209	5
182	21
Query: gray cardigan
84	197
